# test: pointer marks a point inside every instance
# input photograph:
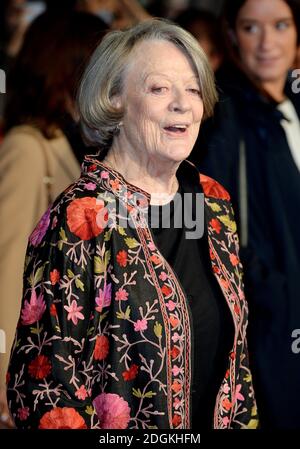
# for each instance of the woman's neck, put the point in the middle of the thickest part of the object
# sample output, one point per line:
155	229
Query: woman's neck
160	182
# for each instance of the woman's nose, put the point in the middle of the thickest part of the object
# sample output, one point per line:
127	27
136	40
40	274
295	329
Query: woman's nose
267	38
180	102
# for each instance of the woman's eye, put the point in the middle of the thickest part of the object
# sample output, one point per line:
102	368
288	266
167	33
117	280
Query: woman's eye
158	90
250	28
195	91
282	25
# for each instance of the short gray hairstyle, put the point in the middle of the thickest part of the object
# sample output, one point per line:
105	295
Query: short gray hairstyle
104	75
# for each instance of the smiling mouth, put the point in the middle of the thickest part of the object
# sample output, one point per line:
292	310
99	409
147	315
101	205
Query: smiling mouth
176	130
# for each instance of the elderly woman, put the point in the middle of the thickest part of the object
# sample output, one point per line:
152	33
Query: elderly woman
123	325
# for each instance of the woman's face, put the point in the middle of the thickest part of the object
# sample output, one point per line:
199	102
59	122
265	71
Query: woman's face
163	105
267	39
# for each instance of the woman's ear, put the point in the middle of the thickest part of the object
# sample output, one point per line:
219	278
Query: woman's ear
116	101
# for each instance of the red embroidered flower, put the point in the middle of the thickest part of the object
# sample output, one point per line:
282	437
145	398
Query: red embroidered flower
175	351
81	393
166	290
62	418
234	259
176	420
54	276
92	167
131	373
216	225
174	321
87	217
213	189
40	367
53	311
155	259
226	404
216	269
101	347
212	255
237	309
122	258
176	386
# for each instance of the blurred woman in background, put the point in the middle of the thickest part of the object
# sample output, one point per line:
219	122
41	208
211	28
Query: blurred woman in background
253	149
41	152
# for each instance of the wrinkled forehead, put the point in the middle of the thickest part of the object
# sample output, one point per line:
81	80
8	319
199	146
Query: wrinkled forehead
157	56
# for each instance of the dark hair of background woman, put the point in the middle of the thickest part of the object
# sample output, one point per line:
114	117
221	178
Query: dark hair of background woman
48	68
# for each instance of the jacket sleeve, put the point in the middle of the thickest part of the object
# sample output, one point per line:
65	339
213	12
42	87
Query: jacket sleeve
50	372
22	203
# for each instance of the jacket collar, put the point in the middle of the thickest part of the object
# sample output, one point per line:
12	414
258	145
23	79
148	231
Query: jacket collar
112	181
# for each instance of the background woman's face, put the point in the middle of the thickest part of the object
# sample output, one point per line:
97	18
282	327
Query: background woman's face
267	39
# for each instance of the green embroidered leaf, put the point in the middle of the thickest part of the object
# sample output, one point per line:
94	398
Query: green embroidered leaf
227	222
35	330
70	274
36	277
60	245
107	258
120	315
215	207
91	330
103	315
149	394
247	378
62	235
131	243
137	393
89	410
157	329
253	423
79	284
99	265
121	230
127	313
57	328
27	260
107	236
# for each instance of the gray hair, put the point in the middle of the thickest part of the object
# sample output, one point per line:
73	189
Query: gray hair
104	75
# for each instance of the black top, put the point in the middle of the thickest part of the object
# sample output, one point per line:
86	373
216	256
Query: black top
212	324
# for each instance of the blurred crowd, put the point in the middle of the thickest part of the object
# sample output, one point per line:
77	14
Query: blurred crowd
251	146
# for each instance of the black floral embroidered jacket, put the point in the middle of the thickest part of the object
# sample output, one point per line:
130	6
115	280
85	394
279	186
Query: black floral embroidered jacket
104	336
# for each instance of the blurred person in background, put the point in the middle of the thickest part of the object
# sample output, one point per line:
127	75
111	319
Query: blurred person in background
42	150
118	14
205	27
253	148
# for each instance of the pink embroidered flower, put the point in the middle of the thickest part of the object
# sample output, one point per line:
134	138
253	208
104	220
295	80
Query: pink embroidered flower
112	410
225	421
238	394
176	337
177	403
104	298
140	325
38	233
54	222
121	295
33	310
226	388
81	393
170	305
23	413
90	186
163	276
104	175
74	312
151	246
176	370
